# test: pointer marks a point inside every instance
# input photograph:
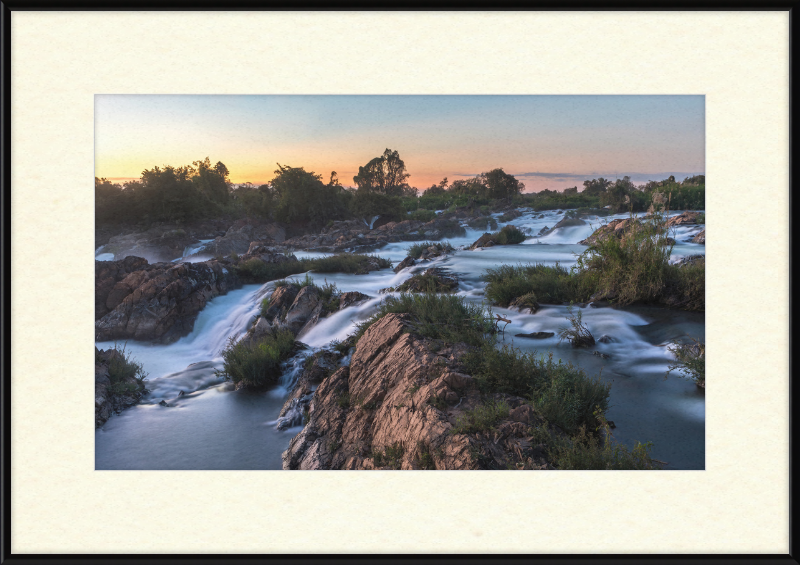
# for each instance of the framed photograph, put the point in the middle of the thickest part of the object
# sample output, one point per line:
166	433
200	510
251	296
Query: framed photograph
388	242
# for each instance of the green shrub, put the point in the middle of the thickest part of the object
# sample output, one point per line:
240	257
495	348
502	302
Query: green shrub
634	268
481	418
425	282
576	333
690	360
424	457
126	375
391	456
415	251
422	215
437	316
585	451
550	284
510	235
560	392
629	269
256	363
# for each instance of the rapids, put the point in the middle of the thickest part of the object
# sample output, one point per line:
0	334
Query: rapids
210	426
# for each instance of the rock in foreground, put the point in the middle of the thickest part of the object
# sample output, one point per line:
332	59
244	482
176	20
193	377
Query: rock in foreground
395	407
136	300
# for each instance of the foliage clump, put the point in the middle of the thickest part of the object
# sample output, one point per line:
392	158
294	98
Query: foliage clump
416	250
481	418
125	373
690	360
256	363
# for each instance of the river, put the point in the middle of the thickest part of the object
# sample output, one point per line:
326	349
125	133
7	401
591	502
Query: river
212	426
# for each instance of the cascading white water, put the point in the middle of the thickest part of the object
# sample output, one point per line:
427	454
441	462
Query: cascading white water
212	427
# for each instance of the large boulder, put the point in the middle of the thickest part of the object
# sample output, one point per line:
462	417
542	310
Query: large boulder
686	218
160	243
157	302
395	407
106	276
305	309
616	228
700	238
241	235
407	262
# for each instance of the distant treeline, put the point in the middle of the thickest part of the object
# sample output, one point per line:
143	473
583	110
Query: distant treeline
299	197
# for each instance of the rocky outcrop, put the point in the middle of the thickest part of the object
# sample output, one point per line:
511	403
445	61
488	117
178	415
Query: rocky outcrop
395	407
241	236
565	222
405	263
353	235
298	309
154	302
347	299
686	218
160	243
700	238
108	398
106	276
617	228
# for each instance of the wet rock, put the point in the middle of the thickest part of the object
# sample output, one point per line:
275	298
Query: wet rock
602	355
160	301
305	309
405	263
537	335
617	228
606	339
160	243
351	298
700	238
691	261
686	218
565	222
280	301
107	274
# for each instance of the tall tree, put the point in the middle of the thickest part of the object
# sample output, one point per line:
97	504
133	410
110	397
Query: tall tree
385	175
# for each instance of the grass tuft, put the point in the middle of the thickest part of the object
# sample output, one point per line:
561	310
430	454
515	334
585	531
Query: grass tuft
481	418
256	363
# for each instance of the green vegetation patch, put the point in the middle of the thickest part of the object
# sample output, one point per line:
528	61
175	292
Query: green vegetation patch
390	456
415	251
256	363
549	284
629	269
481	418
126	375
587	451
690	358
564	394
437	316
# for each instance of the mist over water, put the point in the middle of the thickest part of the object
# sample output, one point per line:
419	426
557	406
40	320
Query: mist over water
211	426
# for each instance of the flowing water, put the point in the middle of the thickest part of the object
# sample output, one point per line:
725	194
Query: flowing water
211	426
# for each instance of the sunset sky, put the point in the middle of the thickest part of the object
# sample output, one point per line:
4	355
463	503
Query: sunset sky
545	141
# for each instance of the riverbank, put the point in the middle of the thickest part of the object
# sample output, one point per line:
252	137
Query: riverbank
631	352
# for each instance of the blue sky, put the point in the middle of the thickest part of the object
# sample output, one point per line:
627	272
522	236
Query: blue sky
547	141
